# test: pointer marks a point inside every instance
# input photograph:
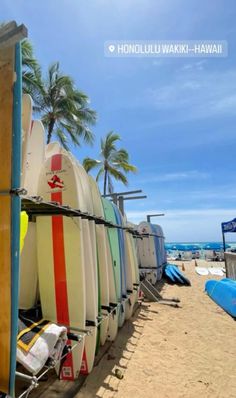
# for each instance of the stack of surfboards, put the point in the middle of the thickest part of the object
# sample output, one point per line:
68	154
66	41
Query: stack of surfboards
151	251
84	275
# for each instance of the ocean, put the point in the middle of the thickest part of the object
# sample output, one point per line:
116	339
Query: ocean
202	244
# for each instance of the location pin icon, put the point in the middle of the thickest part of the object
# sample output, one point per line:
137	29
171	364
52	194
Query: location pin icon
111	48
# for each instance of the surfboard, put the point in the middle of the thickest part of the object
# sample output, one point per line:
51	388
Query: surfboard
126	278
229	280
216	271
129	277
174	271
132	284
114	314
158	250
10	152
102	262
89	244
115	253
28	291
147	252
27	106
136	283
23	228
169	274
91	273
201	270
224	294
61	261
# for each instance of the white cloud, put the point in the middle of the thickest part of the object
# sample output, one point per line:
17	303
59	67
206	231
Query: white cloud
196	94
177	176
199	65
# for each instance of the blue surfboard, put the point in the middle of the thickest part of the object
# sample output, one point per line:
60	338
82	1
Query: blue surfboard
228	280
184	279
176	275
169	274
157	245
224	294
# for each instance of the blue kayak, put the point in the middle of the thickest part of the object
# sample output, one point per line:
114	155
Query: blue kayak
223	293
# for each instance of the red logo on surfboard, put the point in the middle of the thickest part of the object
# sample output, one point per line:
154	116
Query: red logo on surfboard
84	365
55	182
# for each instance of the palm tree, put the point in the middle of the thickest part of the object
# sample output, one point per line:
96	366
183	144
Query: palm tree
30	65
63	109
114	162
30	68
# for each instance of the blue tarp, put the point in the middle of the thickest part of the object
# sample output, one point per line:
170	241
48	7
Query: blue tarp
229	226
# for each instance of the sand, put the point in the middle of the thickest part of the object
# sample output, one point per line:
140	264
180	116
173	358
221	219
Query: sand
170	352
163	352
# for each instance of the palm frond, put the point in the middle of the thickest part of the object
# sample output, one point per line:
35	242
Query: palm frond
64	109
62	138
125	166
118	175
90	164
108	145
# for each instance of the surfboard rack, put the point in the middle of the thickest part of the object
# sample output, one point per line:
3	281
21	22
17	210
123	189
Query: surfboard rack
10	34
35	207
15	191
154	295
90	323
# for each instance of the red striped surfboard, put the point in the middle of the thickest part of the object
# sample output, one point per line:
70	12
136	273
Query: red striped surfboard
61	257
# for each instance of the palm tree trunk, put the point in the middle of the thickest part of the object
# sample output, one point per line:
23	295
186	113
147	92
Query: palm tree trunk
105	183
50	130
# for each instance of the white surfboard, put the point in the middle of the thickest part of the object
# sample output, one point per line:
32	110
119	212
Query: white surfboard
131	279
91	276
147	253
89	243
61	262
55	147
201	270
102	262
135	270
27	106
216	271
114	314
28	292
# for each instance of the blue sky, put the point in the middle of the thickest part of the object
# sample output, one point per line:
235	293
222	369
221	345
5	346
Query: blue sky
176	116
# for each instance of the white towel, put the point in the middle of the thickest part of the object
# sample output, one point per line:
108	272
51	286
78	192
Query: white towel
50	344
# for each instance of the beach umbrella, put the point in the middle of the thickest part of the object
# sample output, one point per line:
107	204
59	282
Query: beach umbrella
179	247
193	248
214	246
168	246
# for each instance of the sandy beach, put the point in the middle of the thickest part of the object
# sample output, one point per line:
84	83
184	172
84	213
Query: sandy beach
170	352
163	352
